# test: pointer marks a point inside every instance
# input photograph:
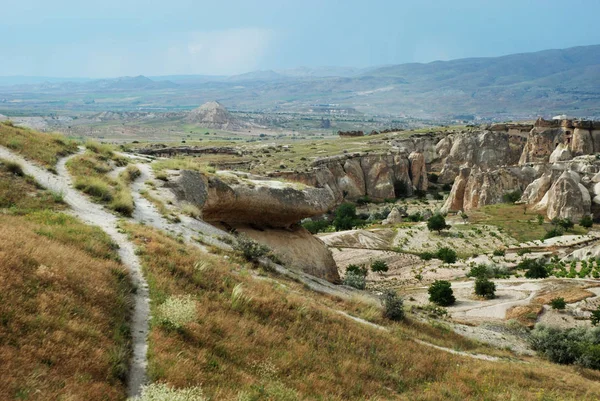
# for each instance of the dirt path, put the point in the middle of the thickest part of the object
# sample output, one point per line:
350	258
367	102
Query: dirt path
92	213
482	357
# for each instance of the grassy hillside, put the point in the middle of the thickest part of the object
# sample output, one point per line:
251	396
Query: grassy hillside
64	300
44	149
241	337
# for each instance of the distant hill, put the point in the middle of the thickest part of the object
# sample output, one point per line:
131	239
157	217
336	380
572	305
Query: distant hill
518	86
213	115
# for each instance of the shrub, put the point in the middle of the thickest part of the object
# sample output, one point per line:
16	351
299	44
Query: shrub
176	312
579	345
162	392
586	221
437	223
345	217
440	293
485	288
415	217
394	306
499	252
363	200
540	219
250	249
489	271
555	232
433	177
315	226
355	280
511	197
356	269
427	255
558	303
95	187
566	224
122	203
535	268
438	196
446	255
379	266
446	187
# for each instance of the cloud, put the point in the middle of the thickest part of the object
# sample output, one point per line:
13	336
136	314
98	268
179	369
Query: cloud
222	52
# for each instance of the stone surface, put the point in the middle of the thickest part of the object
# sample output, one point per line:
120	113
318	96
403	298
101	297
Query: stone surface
298	249
567	198
418	171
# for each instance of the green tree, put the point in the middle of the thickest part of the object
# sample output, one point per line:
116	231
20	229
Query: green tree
596	317
440	293
446	255
437	223
345	217
485	288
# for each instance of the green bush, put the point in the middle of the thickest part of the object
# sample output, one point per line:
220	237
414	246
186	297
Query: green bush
437	223
415	217
427	255
440	293
401	189
394	306
379	266
580	346
586	221
499	252
250	249
489	271
433	177
558	303
485	288
355	280
356	269
535	268
446	255
315	226
555	232
419	193
346	218
511	197
565	224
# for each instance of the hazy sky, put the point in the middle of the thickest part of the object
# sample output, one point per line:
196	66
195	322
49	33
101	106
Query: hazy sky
108	38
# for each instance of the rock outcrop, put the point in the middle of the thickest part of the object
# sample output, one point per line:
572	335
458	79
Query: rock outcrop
485	149
298	249
567	198
267	210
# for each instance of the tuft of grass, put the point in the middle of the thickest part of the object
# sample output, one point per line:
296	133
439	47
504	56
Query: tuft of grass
191	210
90	171
13	168
162	392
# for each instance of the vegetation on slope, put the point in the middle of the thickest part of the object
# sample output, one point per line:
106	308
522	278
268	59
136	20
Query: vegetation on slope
240	338
64	301
90	172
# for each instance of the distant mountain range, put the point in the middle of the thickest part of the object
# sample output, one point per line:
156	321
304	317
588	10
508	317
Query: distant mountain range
525	85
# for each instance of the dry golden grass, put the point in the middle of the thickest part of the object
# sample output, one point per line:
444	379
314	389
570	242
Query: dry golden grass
43	148
570	295
284	342
525	314
64	302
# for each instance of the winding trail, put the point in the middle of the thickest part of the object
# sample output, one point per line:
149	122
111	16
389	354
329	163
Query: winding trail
94	214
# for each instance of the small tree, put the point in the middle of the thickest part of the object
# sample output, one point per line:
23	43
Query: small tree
558	303
437	223
566	224
379	266
345	217
440	293
485	288
586	221
535	268
394	306
540	219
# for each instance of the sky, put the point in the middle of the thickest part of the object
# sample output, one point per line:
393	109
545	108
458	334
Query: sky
111	38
